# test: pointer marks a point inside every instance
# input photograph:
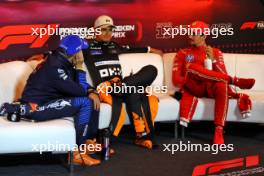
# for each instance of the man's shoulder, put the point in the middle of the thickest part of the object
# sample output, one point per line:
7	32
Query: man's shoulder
217	52
54	59
216	49
184	51
92	43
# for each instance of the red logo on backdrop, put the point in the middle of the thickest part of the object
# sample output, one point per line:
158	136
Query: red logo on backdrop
248	25
25	34
212	168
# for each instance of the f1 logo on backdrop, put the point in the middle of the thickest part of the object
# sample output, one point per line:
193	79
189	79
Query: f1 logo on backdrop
212	168
24	34
252	25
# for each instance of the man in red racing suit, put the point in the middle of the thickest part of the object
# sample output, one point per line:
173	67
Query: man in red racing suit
195	81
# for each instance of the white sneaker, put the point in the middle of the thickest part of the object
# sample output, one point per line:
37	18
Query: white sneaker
246	115
184	123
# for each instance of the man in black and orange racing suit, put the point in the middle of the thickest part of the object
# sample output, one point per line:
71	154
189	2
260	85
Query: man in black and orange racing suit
102	61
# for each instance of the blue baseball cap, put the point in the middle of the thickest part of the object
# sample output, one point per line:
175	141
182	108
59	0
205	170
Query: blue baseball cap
72	44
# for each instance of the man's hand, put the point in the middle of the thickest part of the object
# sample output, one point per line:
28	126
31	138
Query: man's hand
156	51
96	100
210	53
78	60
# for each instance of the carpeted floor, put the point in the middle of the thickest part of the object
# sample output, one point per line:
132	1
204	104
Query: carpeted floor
130	160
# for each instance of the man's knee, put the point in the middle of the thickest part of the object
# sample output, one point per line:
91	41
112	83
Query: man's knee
220	85
151	69
221	88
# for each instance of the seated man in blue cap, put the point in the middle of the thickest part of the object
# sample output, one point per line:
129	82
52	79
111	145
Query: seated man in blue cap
58	88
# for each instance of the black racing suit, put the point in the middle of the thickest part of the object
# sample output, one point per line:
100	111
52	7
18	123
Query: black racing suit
102	61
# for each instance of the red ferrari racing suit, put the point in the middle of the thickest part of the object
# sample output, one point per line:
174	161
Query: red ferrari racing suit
196	81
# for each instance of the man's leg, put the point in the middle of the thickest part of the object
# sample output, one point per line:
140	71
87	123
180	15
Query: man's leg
93	125
243	100
137	115
216	86
219	92
144	77
82	128
79	107
188	105
54	109
242	83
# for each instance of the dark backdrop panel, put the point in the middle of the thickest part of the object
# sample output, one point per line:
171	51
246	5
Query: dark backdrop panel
145	19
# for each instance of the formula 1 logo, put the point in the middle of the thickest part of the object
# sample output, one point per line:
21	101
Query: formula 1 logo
252	25
212	168
25	34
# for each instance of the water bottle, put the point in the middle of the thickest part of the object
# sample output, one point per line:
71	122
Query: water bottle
208	64
106	145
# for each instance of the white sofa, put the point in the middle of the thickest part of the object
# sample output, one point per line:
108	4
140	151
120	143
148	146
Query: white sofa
19	137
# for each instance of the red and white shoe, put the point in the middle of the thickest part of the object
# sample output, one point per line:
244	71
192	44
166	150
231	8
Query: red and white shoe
184	122
218	135
244	83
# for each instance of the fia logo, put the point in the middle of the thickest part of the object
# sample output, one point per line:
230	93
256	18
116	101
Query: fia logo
189	58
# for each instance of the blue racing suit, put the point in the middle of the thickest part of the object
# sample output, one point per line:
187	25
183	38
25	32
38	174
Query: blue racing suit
55	90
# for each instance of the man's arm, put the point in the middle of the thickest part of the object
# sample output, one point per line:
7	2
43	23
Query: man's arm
128	49
81	78
177	69
63	83
148	49
218	61
219	66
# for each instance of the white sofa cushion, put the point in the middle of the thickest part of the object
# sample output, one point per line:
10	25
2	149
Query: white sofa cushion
168	60
251	66
21	137
13	76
